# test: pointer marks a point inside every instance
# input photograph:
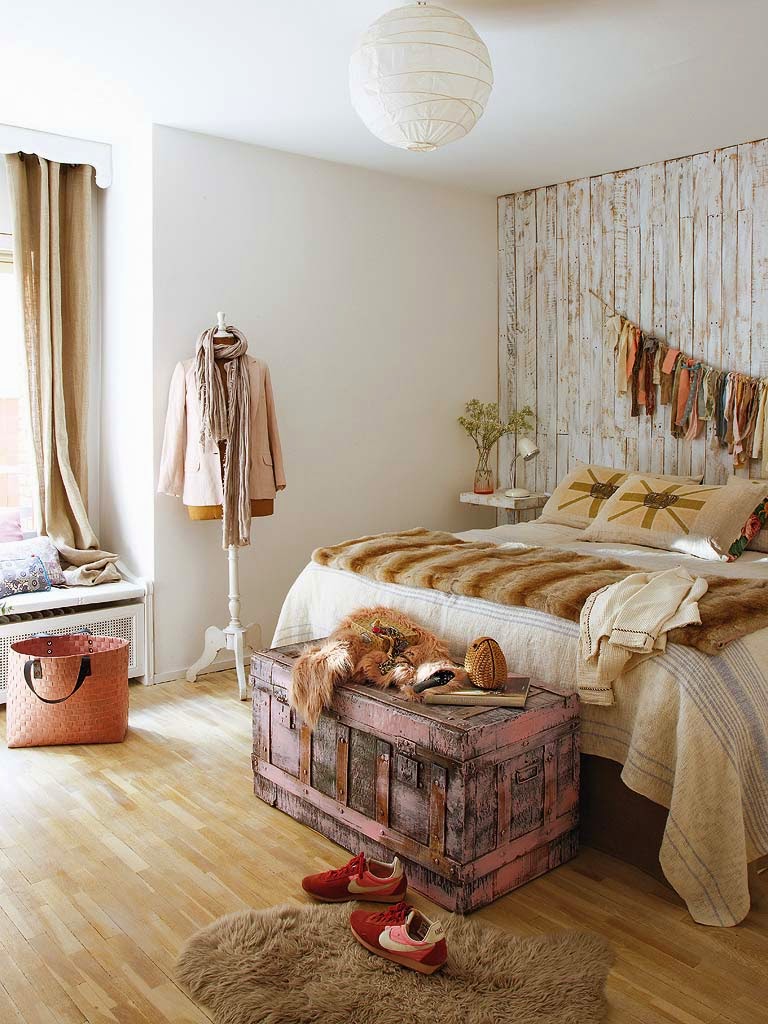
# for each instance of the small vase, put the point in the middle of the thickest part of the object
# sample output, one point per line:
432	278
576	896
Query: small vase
483	476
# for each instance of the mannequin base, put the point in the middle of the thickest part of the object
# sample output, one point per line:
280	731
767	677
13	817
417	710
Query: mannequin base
259	507
234	638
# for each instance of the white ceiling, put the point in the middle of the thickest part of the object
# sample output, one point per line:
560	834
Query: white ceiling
582	86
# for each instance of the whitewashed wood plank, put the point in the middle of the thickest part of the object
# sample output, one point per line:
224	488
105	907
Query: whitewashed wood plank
632	423
701	185
563	457
743	346
728	274
525	283
759	347
659	307
581	445
570	352
621	187
702	168
715	469
546	335
508	339
684	448
566	361
672	170
660	331
646	174
607	355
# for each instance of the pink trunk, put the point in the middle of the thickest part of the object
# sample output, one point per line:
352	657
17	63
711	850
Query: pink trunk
476	801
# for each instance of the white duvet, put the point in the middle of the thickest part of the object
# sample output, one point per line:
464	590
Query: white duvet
690	730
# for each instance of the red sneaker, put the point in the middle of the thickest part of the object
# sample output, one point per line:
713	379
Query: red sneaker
371	880
403	935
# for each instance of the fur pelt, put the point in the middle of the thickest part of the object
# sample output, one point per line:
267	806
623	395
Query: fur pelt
347	655
548	579
298	964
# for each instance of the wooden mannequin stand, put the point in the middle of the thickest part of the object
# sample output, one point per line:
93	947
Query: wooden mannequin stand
234	636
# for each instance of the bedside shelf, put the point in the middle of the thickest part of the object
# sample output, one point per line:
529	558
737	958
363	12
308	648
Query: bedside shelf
499	500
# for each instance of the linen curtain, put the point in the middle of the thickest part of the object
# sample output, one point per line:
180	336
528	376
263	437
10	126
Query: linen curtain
52	219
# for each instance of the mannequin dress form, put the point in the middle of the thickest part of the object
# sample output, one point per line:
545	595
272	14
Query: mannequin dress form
234	636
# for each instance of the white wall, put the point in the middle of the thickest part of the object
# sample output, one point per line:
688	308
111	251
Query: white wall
373	299
5	201
126	484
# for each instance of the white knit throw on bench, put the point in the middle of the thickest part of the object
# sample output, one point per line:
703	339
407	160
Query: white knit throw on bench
225	415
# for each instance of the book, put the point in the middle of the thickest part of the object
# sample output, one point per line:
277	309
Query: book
513	695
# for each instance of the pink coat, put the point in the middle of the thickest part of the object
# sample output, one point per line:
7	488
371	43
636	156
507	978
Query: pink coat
191	471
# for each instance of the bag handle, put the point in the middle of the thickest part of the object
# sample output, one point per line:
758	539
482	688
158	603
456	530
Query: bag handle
82	675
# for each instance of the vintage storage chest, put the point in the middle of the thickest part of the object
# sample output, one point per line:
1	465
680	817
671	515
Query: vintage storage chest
476	801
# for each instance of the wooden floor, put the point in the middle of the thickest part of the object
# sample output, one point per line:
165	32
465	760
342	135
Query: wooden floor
111	857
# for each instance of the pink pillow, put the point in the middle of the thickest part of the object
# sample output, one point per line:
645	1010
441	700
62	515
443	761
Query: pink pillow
10	525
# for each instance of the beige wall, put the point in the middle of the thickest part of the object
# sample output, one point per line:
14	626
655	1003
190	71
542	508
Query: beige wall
373	299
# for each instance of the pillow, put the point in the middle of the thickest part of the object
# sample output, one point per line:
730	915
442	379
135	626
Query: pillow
25	575
577	500
708	522
10	525
44	549
760	542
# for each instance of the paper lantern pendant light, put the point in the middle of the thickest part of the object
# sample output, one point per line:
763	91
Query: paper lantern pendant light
421	77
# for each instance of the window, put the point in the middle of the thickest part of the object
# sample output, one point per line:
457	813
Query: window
16	452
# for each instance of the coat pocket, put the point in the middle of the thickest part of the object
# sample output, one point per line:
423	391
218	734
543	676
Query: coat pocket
266	458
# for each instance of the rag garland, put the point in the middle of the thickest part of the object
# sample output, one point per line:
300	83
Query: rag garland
225	415
736	404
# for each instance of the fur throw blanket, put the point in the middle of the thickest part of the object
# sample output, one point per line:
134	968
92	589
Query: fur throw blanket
546	579
374	645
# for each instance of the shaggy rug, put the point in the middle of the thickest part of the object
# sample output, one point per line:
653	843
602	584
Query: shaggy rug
301	965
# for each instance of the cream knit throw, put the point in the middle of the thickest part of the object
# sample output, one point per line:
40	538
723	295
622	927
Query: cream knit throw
225	415
627	622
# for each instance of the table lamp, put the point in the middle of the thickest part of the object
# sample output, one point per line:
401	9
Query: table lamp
526	450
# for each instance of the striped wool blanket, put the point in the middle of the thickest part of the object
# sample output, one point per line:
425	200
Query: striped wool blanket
548	580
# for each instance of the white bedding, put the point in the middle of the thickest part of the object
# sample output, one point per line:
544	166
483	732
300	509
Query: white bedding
690	730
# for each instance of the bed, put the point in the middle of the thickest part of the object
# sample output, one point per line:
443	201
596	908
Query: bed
689	729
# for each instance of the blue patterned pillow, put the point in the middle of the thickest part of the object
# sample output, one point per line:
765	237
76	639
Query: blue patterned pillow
23	576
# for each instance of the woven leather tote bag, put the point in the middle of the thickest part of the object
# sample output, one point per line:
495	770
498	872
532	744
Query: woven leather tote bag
67	689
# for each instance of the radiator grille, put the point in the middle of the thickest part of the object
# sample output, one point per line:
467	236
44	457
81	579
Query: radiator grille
120	622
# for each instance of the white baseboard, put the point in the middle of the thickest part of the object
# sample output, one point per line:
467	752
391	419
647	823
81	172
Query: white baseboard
179	673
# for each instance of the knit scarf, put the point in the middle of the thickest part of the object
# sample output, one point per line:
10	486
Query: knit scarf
225	415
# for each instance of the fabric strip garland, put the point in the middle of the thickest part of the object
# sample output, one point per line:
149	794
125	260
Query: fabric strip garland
735	403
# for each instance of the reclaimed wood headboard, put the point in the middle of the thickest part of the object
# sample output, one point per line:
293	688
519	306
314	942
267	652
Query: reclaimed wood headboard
680	247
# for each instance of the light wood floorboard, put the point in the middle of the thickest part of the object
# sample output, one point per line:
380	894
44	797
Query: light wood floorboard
112	856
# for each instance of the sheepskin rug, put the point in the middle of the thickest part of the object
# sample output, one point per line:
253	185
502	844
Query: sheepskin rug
301	965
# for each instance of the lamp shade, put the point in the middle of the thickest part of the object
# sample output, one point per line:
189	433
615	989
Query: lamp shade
421	77
527	448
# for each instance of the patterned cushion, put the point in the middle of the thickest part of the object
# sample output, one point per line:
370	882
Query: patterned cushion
760	542
44	549
577	500
709	522
25	575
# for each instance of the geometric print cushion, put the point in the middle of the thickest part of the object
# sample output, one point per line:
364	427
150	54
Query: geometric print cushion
25	575
578	499
708	522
